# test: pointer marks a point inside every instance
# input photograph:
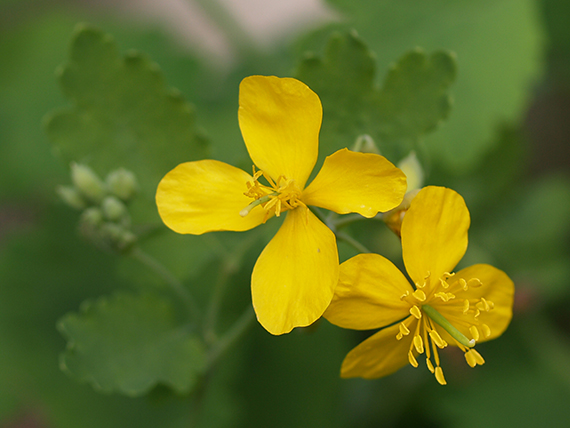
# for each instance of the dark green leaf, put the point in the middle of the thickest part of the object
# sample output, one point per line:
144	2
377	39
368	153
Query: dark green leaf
130	343
413	100
122	112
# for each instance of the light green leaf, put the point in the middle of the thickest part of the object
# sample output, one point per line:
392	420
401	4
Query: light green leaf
129	344
413	100
122	113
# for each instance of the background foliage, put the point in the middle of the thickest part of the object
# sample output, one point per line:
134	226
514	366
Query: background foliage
498	134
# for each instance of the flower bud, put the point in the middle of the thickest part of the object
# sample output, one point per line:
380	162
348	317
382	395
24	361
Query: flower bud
92	217
87	182
122	183
71	197
412	167
365	144
113	209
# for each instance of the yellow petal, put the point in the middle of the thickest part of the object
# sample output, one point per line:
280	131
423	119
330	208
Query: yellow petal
204	196
280	119
434	233
294	278
368	294
363	183
496	287
380	354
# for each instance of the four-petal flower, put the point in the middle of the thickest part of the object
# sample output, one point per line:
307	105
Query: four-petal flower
294	278
472	305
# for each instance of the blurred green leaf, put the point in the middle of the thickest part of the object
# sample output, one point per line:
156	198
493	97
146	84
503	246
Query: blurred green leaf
498	47
122	112
130	343
413	100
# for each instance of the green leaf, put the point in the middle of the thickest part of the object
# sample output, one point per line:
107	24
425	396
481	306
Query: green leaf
413	100
499	49
122	112
129	344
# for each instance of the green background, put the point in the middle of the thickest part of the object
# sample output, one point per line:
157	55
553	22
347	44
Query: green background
504	145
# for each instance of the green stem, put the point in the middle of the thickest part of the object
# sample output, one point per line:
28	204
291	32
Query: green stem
341	236
348	219
447	326
236	331
175	285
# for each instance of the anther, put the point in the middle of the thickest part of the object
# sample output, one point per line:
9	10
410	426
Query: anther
420	295
419	344
474	332
439	376
416	312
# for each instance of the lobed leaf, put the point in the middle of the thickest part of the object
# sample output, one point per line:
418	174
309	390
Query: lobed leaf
122	113
413	100
130	343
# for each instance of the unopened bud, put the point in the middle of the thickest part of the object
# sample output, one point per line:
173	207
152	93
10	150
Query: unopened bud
365	144
87	182
71	197
122	183
412	167
92	217
113	209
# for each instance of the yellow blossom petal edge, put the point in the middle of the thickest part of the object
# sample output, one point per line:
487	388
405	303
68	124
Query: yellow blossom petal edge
434	233
497	290
204	196
280	120
379	355
363	183
368	294
294	278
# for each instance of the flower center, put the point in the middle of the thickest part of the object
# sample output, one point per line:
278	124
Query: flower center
443	305
279	196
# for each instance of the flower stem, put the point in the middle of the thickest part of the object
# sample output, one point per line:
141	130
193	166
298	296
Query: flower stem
351	241
174	283
236	331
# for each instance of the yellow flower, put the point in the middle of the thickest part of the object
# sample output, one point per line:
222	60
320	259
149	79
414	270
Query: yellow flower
472	305
294	278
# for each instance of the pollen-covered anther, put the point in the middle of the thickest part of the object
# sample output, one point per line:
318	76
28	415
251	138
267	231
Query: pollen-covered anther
420	295
439	376
419	344
474	332
465	306
463	284
473	358
485	305
412	359
446	297
443	283
416	312
434	335
474	282
404	331
486	330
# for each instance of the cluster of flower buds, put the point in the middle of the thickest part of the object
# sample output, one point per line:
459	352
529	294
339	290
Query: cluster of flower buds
105	219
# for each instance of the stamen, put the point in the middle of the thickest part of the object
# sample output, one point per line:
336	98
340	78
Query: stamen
404	331
419	344
439	376
447	326
474	332
416	312
486	330
420	295
429	365
437	339
465	306
412	359
473	358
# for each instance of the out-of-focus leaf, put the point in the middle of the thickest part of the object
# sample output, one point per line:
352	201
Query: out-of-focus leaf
122	113
413	100
529	235
129	344
497	43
